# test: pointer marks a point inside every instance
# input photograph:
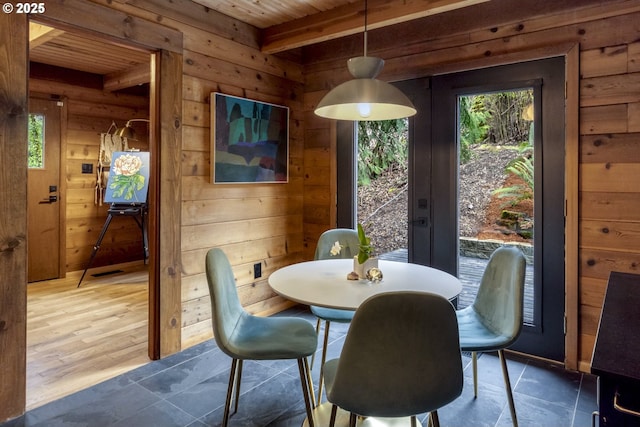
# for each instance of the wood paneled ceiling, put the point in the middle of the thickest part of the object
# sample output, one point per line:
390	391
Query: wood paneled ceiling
283	25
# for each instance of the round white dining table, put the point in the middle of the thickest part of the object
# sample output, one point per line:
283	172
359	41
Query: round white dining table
324	282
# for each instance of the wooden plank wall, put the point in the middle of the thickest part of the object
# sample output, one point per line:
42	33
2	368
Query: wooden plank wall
255	223
90	111
609	212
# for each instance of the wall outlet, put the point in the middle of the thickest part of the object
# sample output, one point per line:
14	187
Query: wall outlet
87	168
257	270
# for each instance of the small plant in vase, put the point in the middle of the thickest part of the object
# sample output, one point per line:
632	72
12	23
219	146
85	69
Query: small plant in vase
365	265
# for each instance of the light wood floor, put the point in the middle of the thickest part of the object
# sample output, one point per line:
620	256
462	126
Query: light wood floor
78	337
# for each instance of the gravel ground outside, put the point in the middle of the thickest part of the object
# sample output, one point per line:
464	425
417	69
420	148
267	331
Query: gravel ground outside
382	205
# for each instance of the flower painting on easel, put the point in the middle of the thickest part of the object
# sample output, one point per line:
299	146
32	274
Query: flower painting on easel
128	178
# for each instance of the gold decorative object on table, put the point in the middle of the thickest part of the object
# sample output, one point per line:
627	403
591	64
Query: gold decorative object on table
374	274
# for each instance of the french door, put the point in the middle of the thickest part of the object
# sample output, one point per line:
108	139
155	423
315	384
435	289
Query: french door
434	182
434	151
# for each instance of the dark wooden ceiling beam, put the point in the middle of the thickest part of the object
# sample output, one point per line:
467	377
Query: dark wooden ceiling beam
491	20
349	19
134	76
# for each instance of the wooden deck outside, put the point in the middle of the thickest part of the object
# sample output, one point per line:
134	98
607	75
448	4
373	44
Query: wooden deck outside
470	273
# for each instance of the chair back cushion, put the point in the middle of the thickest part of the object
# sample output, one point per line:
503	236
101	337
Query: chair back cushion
347	237
499	302
401	357
226	310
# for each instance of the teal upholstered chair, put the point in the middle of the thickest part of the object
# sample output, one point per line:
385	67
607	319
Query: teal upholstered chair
246	337
348	238
494	321
401	357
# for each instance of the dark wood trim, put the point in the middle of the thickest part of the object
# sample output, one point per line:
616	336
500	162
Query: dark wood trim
64	75
13	211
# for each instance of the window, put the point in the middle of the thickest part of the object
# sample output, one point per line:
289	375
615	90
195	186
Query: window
36	141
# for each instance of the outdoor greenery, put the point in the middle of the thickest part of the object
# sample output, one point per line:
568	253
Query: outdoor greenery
488	118
498	118
36	140
506	124
493	118
382	145
523	168
473	124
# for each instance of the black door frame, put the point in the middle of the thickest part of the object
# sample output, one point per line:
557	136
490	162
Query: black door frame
547	78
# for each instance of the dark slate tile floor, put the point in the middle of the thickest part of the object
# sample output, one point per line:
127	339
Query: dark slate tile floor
188	390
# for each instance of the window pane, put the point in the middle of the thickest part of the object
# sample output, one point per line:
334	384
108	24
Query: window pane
495	134
36	141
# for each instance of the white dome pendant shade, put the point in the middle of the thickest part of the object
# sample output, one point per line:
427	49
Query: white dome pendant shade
365	97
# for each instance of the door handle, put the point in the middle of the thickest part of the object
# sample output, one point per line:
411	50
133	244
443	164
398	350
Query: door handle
51	199
422	221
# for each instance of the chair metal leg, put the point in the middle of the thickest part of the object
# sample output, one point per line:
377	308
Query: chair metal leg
313	356
414	421
310	384
433	419
507	384
334	411
307	390
352	419
232	382
238	379
324	359
474	363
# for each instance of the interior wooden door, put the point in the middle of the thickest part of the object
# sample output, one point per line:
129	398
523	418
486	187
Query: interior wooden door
43	209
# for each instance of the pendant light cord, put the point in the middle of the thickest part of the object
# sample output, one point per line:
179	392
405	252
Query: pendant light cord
365	27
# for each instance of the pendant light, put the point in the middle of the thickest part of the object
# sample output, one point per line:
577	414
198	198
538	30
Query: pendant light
365	97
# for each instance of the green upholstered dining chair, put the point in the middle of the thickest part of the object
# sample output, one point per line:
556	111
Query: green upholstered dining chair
243	336
494	320
401	357
348	238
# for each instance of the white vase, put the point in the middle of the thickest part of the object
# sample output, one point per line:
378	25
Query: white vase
361	269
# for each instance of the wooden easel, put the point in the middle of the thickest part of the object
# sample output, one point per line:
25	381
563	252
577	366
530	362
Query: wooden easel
137	211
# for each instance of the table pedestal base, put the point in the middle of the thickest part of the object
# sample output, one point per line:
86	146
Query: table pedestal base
322	415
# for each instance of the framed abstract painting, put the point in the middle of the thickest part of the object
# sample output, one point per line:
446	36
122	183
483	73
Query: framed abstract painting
249	141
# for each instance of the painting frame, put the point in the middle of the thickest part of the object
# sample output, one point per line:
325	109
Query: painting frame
249	141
